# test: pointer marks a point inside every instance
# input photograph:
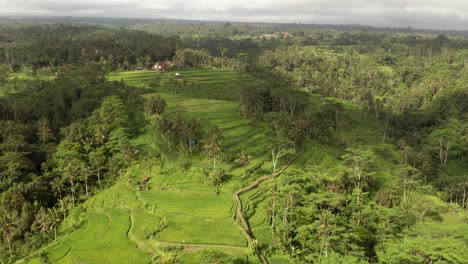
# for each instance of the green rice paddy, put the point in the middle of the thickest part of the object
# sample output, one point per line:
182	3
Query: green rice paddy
179	206
123	224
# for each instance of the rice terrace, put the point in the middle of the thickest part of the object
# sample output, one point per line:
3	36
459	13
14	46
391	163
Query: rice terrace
177	209
178	141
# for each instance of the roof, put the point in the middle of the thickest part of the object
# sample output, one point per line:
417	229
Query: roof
268	36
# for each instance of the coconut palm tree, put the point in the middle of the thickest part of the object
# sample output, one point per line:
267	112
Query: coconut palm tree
57	187
98	162
85	173
42	222
213	145
243	160
8	226
55	220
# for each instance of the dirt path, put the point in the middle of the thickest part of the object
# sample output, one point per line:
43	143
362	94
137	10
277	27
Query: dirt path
192	247
245	228
140	244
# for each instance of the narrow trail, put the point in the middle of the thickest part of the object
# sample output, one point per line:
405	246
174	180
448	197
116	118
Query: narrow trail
245	228
189	247
138	242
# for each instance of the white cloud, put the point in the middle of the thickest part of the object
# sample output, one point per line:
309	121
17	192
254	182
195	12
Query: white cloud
449	14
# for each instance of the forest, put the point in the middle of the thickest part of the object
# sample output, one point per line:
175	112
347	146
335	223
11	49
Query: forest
362	133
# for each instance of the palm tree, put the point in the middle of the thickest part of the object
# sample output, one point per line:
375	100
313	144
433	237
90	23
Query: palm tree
42	222
217	179
55	220
8	227
243	160
213	149
44	132
100	134
212	145
71	170
222	51
85	172
98	161
57	187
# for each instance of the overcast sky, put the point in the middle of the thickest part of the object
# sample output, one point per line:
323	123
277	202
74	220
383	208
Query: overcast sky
434	14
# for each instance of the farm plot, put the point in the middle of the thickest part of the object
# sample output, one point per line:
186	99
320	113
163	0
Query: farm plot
194	83
179	204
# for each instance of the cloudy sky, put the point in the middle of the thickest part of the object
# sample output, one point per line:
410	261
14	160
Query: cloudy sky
435	14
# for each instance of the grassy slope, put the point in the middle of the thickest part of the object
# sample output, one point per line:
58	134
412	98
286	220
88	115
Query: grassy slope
200	83
102	235
124	217
127	218
24	76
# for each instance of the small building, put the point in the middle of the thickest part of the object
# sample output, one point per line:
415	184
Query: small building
165	66
138	68
158	67
287	35
162	66
267	36
178	74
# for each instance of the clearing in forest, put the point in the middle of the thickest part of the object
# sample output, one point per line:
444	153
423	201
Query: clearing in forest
196	83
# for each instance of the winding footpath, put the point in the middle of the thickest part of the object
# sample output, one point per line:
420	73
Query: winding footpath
245	228
192	247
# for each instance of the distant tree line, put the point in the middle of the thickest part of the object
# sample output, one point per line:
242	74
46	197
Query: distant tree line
61	45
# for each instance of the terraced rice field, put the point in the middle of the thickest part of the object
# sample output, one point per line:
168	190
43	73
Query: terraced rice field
179	206
195	83
122	223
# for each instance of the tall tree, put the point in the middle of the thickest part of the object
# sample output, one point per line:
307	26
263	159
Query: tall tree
9	226
42	222
44	132
279	148
55	220
213	145
243	160
358	164
98	162
445	139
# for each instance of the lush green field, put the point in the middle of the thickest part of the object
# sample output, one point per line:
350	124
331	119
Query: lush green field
24	76
179	206
103	234
183	199
198	83
185	190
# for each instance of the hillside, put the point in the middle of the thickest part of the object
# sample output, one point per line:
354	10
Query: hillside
177	215
343	145
180	199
